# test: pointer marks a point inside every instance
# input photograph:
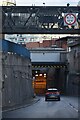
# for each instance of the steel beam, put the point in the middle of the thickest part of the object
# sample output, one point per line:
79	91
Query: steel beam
38	19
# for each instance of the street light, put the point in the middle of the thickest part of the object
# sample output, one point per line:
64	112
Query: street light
68	4
34	86
43	3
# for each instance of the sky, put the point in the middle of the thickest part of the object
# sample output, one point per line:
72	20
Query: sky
47	2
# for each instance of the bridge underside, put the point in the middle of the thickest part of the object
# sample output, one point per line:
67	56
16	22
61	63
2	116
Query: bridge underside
38	19
49	75
48	64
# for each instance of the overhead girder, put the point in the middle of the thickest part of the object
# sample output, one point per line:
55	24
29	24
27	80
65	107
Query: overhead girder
37	19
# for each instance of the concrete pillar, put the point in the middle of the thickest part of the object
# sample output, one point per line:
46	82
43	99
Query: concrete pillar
2	36
0	66
0	85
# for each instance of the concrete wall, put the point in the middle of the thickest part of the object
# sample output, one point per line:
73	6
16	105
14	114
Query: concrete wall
73	79
56	78
0	85
2	36
0	64
17	79
48	55
45	57
72	84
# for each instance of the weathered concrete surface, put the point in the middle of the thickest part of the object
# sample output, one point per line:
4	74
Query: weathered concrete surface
0	64
17	79
73	79
0	84
2	36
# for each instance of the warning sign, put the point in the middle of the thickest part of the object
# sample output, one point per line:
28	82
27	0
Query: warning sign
69	19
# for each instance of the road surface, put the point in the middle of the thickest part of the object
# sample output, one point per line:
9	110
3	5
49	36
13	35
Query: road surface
44	109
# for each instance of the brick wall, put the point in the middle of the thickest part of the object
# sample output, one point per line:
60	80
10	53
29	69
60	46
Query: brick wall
45	43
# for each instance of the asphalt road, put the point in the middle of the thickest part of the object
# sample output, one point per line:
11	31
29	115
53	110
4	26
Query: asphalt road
44	109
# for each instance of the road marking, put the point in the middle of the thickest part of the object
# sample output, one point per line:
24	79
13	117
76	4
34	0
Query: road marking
70	105
73	107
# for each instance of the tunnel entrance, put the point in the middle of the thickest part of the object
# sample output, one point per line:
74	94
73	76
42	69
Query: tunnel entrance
39	84
56	78
49	77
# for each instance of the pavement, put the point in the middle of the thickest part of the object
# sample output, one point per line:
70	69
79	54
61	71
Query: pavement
73	101
18	106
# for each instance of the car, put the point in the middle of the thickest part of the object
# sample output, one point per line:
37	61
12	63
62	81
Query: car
52	94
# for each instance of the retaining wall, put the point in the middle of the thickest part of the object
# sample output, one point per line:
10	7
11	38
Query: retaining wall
17	75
